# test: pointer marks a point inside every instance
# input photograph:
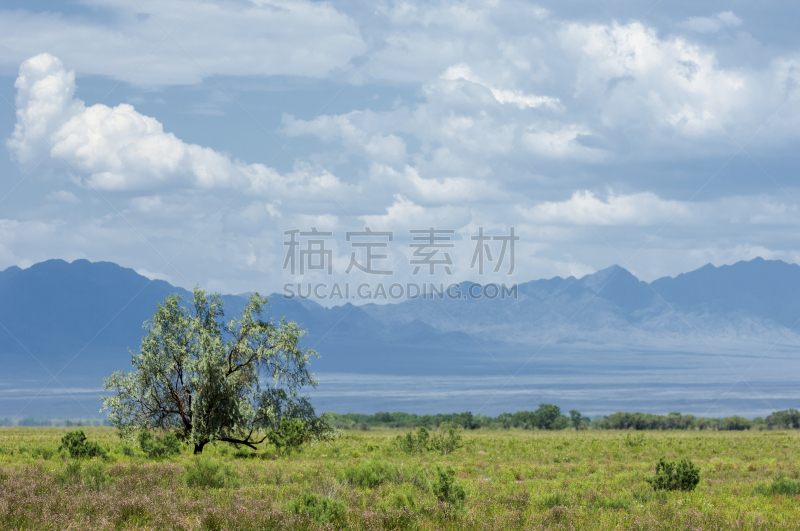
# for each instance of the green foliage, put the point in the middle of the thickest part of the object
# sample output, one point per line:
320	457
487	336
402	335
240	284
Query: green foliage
556	499
78	447
70	474
414	444
375	472
547	417
156	447
320	509
734	423
781	485
370	474
578	421
634	441
126	450
789	418
290	436
447	439
446	488
93	475
683	475
209	380
208	473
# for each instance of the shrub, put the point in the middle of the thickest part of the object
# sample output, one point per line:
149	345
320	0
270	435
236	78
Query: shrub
781	485
70	474
78	447
447	439
127	450
669	475
43	452
556	499
207	473
413	444
95	476
320	509
156	447
446	488
370	474
634	442
290	436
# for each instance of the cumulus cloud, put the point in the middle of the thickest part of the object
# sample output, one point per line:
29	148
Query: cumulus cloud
584	208
639	81
122	149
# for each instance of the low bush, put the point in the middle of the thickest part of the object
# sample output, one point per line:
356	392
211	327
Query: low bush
556	499
412	443
446	488
290	436
156	447
70	474
635	441
95	476
78	447
320	509
669	475
207	473
445	441
370	474
781	485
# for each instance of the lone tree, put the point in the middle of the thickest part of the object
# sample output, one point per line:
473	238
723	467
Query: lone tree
207	380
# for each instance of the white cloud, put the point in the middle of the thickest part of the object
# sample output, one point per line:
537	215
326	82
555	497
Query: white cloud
520	99
637	81
282	37
121	149
712	24
583	208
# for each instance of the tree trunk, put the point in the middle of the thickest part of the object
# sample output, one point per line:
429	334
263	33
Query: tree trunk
198	448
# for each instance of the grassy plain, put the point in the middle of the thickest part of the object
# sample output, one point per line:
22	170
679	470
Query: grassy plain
513	480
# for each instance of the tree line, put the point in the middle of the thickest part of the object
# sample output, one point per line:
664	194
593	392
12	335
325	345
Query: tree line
550	417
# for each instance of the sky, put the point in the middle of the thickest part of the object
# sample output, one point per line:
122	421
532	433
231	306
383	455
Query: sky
187	139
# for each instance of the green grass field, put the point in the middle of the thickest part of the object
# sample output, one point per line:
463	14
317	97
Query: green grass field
513	480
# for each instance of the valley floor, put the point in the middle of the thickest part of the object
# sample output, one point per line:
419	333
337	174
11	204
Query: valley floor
362	480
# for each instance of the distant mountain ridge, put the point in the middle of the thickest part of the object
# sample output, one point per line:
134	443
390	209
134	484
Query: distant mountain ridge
93	312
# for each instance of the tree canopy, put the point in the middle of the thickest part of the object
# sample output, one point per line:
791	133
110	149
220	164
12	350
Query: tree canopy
207	380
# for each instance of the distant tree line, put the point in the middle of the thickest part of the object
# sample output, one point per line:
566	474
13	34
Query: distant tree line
549	417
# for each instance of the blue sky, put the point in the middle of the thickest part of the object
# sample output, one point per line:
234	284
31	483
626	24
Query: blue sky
183	138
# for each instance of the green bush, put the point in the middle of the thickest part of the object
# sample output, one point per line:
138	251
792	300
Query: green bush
370	474
127	450
683	475
556	499
447	439
446	488
320	509
78	447
635	441
156	447
207	473
95	476
414	444
290	436
781	485
70	474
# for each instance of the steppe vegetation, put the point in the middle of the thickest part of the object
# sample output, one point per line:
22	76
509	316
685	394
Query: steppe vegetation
440	478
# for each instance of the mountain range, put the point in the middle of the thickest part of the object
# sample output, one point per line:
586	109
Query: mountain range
70	324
